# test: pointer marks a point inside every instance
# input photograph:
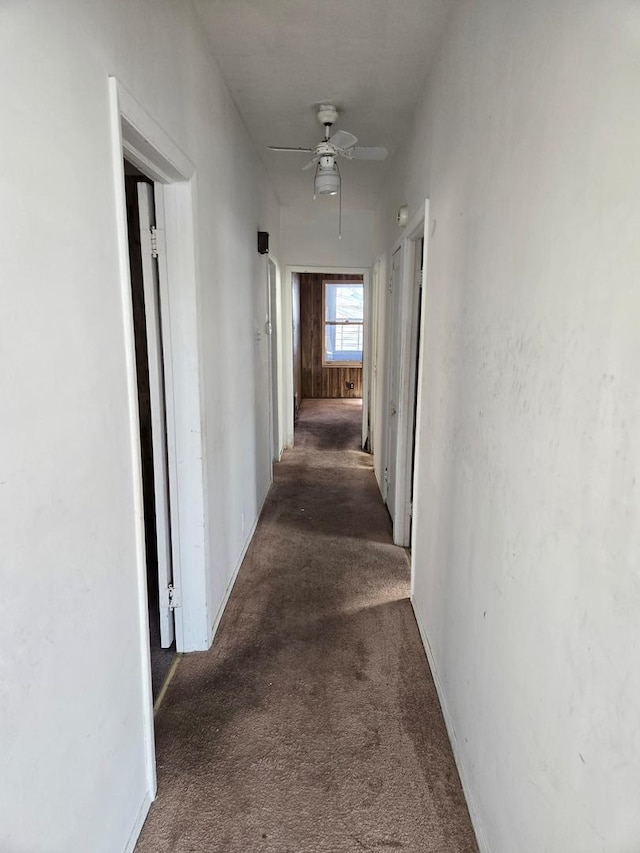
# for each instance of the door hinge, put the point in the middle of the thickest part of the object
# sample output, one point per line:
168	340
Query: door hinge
154	242
386	475
175	597
390	285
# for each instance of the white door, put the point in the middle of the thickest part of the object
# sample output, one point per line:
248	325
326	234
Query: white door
366	366
412	397
157	400
272	300
393	378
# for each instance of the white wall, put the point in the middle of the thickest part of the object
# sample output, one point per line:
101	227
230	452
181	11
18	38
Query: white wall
309	235
406	185
72	704
527	516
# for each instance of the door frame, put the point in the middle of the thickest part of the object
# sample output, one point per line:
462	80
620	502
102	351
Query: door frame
274	372
287	349
136	136
393	342
409	357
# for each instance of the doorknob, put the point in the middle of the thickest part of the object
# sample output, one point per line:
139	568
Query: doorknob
393	411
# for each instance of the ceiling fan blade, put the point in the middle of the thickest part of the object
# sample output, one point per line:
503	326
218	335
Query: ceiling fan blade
378	153
278	148
310	164
343	139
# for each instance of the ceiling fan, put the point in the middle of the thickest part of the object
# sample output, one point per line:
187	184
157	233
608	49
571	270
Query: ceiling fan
341	144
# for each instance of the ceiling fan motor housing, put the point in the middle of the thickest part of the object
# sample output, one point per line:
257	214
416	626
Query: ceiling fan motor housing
327	114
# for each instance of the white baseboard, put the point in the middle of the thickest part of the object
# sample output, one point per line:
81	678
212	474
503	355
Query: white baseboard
234	576
471	804
138	824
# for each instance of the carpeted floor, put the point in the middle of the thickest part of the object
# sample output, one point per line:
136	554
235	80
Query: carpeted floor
312	725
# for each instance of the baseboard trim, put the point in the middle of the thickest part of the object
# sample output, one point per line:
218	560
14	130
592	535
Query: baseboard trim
448	720
138	824
234	576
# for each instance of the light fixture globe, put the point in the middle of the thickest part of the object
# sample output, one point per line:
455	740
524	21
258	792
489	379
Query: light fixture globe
327	183
327	180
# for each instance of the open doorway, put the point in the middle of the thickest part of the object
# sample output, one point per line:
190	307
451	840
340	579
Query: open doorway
149	357
331	335
328	346
310	371
138	139
328	338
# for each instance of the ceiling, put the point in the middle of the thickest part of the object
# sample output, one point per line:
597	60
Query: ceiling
281	58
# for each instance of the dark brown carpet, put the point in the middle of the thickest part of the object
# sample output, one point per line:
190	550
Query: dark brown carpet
312	725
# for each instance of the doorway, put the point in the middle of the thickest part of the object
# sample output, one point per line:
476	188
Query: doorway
328	347
314	379
331	335
150	376
142	142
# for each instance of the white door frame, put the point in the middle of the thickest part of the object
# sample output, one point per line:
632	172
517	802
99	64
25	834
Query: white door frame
393	341
373	355
287	350
408	358
274	343
136	135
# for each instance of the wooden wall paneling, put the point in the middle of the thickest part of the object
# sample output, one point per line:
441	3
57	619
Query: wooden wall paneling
319	381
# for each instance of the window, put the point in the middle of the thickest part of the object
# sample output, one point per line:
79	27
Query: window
343	323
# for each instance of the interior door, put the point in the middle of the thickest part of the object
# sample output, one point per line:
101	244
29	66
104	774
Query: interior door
366	367
393	378
148	242
416	314
272	300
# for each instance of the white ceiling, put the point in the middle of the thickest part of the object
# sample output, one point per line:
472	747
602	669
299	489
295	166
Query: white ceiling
280	58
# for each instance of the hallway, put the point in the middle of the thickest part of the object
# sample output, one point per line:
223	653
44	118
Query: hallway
313	723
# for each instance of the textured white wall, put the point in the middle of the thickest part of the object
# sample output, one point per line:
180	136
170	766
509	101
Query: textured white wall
527	511
71	699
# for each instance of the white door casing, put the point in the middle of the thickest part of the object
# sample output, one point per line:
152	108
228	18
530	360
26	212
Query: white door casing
287	391
415	317
147	146
272	324
394	340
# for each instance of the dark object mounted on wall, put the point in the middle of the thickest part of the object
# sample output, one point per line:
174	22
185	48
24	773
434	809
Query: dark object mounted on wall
263	242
